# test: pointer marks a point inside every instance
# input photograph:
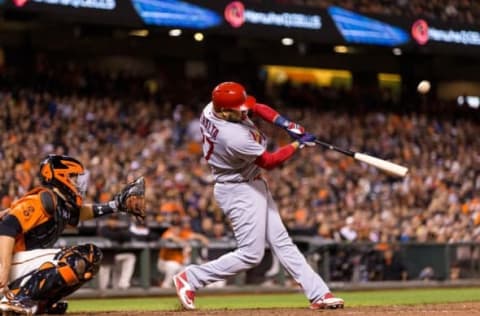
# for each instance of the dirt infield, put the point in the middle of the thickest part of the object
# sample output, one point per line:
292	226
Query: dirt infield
457	309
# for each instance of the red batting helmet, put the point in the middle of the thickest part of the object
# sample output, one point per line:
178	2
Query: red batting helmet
231	95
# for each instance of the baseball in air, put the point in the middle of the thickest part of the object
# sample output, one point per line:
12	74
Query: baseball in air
423	86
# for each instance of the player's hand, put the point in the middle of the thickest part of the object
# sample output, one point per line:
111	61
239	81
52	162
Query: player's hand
131	199
307	139
295	130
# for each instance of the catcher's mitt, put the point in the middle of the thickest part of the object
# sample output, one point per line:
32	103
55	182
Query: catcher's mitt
131	199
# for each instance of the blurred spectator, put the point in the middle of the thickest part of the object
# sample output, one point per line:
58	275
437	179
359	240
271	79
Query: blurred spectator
173	260
179	127
391	266
141	232
348	232
341	265
117	266
455	11
219	232
455	272
171	206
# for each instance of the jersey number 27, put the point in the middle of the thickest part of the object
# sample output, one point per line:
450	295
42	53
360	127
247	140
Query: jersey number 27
207	152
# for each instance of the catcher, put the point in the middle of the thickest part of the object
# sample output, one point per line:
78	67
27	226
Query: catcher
33	275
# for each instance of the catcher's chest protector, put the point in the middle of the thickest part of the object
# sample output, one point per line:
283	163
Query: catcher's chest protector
43	218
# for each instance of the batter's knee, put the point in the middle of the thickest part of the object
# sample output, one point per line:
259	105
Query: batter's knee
252	257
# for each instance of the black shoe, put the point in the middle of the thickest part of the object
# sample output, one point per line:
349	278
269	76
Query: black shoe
58	308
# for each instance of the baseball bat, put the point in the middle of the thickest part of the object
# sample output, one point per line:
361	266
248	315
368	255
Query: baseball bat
381	164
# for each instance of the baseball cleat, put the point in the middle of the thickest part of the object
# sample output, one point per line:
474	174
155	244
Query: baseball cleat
185	292
14	308
328	301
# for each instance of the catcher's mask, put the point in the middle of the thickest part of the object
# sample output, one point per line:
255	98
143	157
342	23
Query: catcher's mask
67	176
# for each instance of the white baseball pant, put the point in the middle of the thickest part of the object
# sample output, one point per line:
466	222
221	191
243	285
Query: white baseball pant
256	222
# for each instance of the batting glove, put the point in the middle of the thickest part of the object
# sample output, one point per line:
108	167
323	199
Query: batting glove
307	139
293	129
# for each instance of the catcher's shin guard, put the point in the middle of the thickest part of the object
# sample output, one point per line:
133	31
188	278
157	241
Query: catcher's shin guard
71	268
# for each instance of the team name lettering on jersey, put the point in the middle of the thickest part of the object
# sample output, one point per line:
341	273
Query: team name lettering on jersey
211	129
257	136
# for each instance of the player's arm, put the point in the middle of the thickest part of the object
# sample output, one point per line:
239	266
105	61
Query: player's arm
168	235
12	224
270	115
269	160
176	240
201	238
6	251
131	200
94	210
246	147
27	214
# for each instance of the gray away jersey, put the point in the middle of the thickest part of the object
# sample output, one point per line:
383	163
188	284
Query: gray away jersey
231	148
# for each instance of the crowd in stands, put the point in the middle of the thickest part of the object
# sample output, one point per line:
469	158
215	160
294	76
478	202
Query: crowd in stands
319	193
451	11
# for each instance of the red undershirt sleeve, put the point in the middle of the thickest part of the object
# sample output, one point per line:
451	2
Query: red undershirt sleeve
271	160
265	112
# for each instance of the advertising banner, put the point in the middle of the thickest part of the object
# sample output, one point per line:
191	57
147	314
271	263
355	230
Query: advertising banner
334	25
106	12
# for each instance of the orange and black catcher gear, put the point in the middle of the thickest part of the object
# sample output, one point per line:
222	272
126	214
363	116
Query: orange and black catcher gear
60	173
53	280
231	96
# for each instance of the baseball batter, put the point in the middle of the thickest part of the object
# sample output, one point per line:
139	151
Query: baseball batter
34	276
236	151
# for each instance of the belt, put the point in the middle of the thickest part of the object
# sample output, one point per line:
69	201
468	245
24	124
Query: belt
258	177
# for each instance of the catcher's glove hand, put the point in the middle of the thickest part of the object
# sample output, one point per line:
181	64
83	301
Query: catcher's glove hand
131	199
